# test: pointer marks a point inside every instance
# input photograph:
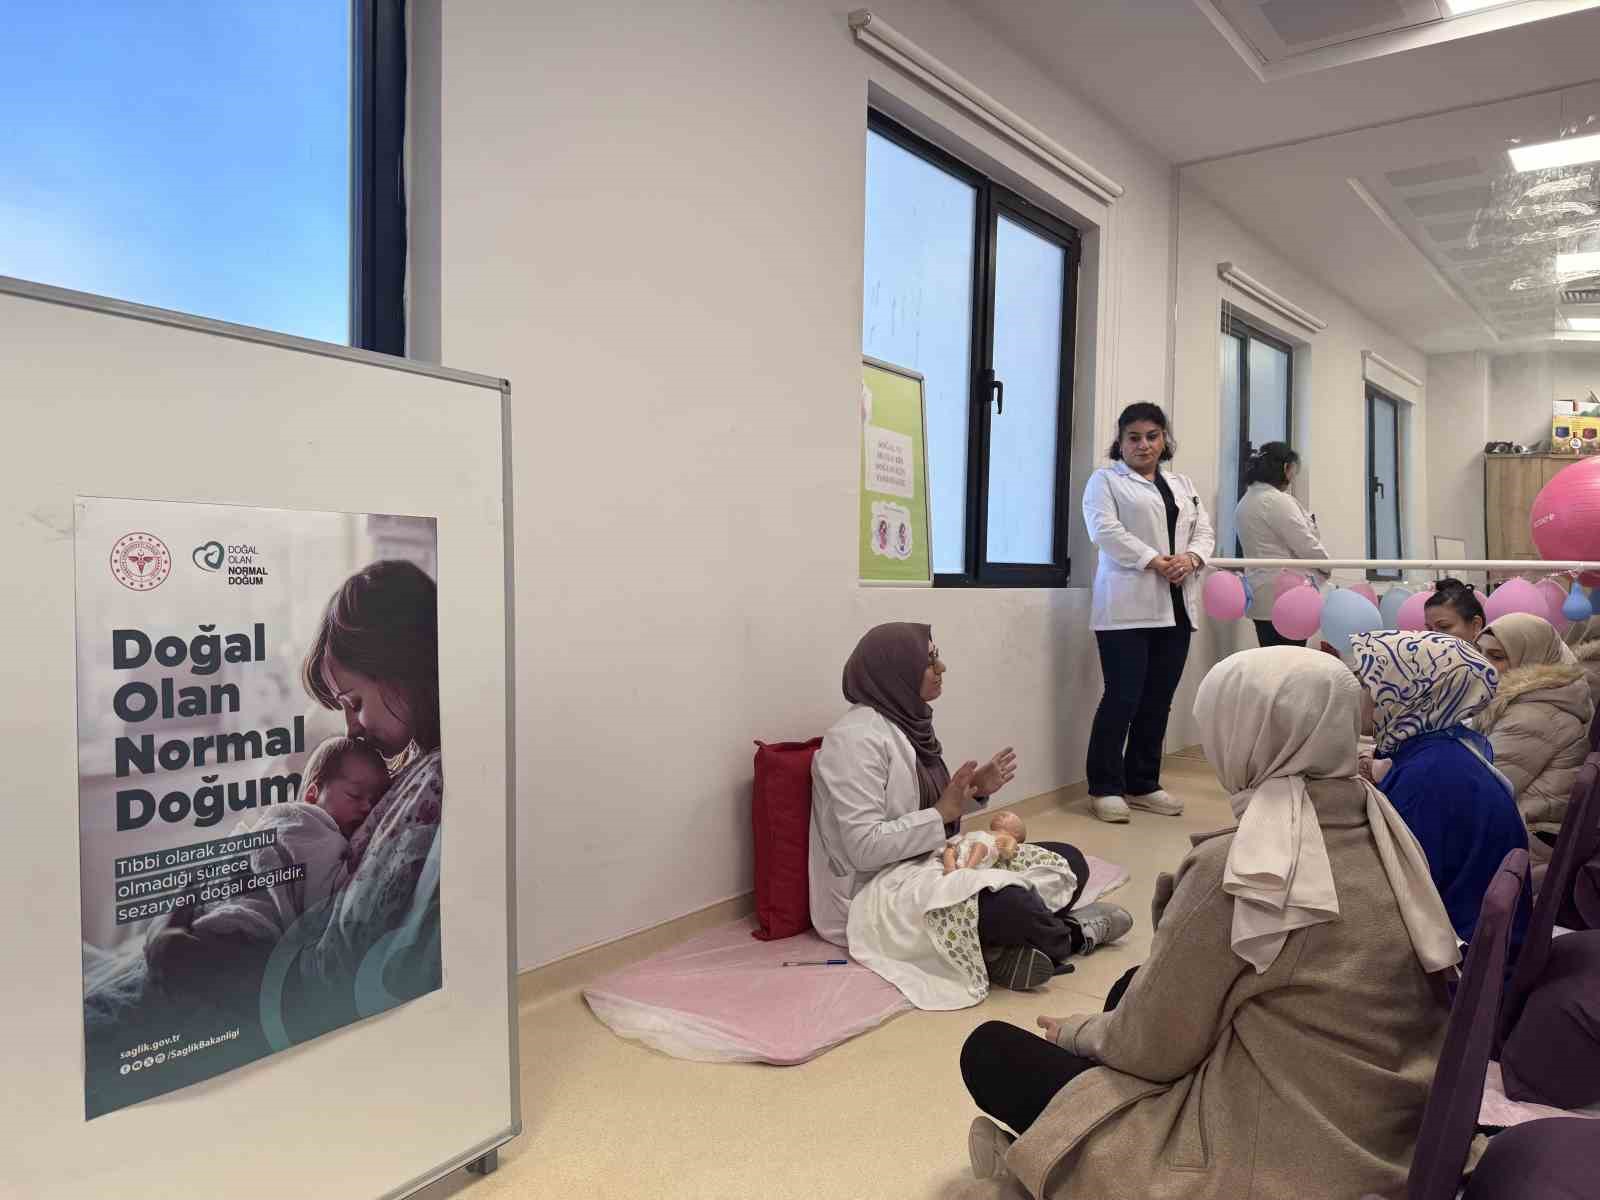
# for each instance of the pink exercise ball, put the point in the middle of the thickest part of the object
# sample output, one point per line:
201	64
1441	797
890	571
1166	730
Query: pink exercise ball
1413	613
1298	613
1287	581
1565	521
1365	589
1554	596
1515	596
1224	596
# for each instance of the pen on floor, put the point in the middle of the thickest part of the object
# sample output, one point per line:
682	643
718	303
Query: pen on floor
820	962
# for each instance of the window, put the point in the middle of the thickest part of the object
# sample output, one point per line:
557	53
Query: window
1257	406
234	161
1384	538
974	287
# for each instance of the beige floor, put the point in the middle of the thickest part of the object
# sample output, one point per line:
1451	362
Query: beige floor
884	1115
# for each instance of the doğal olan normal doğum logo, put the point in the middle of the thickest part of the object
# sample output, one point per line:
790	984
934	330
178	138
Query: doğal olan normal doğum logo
141	562
209	557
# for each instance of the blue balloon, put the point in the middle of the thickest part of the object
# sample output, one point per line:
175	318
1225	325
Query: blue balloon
1389	606
1249	593
1577	606
1345	614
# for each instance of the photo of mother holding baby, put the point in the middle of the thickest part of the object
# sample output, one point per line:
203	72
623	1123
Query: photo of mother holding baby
358	931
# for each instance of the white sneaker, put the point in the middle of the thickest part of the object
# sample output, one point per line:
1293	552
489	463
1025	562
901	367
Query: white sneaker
987	1144
1158	802
1110	808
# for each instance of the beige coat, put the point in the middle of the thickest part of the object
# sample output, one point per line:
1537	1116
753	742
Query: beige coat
1305	1081
1589	659
1539	725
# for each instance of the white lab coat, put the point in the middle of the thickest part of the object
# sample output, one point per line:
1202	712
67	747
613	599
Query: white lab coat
1272	524
866	814
1128	521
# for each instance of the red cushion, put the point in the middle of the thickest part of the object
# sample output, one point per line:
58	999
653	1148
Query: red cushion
782	816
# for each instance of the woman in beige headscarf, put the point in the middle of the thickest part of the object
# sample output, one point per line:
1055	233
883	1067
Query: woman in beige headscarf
1281	1038
1539	720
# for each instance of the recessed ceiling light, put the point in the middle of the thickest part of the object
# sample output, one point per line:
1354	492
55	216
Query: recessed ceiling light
1570	266
1565	152
1584	324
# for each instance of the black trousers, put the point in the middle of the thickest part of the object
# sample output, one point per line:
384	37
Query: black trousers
1142	669
1015	916
1012	1073
1267	635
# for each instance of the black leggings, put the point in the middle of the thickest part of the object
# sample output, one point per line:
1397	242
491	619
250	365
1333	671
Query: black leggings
1267	635
1013	1074
1015	916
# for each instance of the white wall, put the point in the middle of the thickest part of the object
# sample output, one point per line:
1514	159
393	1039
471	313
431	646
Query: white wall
1522	387
1329	381
1458	427
652	224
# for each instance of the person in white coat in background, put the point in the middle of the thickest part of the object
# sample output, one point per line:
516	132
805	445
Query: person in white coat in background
1154	537
1272	524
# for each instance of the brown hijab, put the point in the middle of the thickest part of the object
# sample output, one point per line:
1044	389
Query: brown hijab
885	673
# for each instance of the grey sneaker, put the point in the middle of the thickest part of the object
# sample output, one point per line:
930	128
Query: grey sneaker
1159	801
1110	808
1101	924
987	1144
1020	968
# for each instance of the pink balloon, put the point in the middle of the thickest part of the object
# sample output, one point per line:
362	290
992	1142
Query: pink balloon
1554	596
1565	520
1224	596
1413	613
1515	596
1298	613
1365	589
1287	581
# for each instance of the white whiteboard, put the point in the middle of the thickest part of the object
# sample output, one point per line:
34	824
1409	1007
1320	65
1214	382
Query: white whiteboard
100	398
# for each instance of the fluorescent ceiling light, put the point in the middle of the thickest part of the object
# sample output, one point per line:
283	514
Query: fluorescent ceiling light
1565	152
1570	266
1586	324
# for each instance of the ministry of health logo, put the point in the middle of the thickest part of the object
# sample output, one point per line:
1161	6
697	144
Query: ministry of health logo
141	562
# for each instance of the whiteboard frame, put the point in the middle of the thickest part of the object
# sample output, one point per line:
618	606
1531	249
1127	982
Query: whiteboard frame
110	306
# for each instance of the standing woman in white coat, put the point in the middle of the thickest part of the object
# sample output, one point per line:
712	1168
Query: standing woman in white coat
1272	524
1154	537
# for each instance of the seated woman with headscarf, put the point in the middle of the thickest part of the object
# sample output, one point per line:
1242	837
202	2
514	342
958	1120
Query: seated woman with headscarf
1421	691
1280	1039
882	795
1538	721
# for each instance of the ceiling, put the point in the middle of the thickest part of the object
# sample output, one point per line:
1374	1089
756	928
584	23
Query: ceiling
1162	70
1426	227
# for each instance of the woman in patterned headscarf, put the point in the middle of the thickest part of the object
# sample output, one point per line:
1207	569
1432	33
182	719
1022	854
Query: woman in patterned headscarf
1422	690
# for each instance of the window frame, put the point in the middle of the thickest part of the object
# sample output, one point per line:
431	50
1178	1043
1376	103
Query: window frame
993	201
1243	329
1374	394
378	228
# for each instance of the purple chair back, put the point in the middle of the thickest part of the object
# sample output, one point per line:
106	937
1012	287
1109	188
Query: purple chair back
1451	1115
1574	845
1594	733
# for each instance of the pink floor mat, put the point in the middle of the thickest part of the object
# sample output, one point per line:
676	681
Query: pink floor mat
726	997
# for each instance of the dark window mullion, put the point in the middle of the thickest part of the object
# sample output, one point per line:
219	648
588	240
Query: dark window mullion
982	408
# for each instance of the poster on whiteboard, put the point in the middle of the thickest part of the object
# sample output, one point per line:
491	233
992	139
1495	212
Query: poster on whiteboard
260	782
893	528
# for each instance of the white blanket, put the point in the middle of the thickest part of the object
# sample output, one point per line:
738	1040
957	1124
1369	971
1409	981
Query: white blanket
902	925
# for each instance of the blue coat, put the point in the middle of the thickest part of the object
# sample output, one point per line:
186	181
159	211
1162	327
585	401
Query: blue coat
1464	815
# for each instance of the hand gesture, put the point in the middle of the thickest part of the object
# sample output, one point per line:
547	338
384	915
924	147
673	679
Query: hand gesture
996	773
961	790
1051	1027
